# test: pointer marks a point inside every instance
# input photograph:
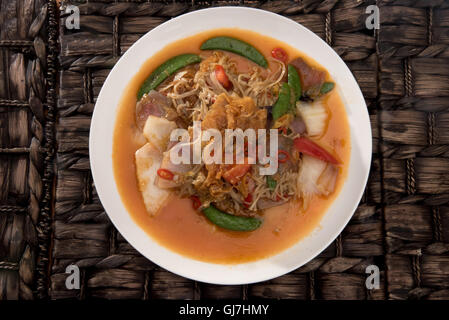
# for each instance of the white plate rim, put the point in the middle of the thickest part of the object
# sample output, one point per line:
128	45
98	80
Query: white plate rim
100	150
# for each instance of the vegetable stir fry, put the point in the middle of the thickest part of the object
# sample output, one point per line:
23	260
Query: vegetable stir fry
271	93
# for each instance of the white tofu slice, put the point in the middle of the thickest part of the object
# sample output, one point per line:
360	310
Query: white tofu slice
148	161
157	131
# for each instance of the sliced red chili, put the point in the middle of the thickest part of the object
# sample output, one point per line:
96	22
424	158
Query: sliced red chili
248	200
196	202
278	198
236	173
312	149
165	174
285	156
280	54
221	76
283	130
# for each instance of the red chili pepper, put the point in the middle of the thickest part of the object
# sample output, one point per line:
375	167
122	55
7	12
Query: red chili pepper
283	130
278	198
248	200
236	173
279	54
196	202
221	76
285	157
165	174
310	148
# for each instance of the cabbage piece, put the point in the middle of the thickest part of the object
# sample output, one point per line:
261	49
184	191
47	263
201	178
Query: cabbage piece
315	177
315	116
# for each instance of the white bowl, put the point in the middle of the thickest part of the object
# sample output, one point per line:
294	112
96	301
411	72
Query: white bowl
265	23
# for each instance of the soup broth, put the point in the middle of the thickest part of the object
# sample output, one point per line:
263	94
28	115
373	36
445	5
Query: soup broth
188	232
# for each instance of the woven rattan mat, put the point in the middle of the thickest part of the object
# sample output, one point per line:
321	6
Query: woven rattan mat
50	214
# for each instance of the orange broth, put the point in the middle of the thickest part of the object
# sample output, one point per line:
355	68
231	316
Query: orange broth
178	226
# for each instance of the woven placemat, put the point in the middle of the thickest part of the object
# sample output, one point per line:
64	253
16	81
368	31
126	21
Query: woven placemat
49	220
413	125
83	235
27	81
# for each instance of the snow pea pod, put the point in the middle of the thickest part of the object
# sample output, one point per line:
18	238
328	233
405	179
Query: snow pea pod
294	81
230	222
326	87
283	103
236	46
165	70
271	183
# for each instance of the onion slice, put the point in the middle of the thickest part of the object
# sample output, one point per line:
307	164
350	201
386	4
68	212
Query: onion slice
298	125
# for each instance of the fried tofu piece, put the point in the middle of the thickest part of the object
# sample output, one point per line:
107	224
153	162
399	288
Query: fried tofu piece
242	113
216	117
232	113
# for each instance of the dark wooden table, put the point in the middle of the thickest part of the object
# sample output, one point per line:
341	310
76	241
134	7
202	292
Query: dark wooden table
50	214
